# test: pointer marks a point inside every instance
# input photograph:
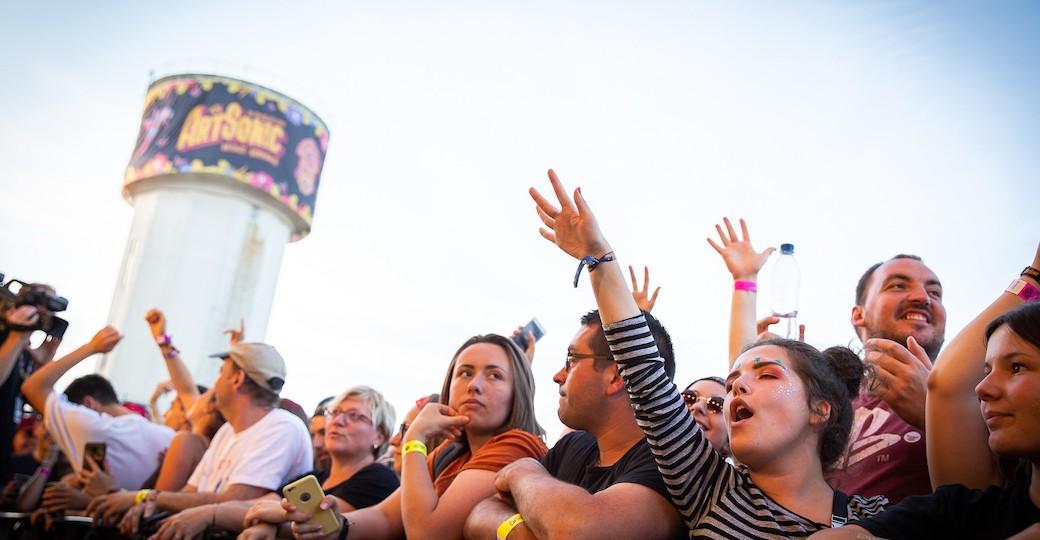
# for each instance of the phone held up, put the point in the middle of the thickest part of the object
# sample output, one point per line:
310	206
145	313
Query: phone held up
532	327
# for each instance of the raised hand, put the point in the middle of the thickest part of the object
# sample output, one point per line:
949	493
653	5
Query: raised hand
105	340
156	322
529	351
572	227
236	335
640	294
742	261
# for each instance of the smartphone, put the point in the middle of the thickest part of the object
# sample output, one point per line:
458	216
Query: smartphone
306	494
533	327
97	451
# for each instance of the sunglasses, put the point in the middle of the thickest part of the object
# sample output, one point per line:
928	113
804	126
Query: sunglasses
712	403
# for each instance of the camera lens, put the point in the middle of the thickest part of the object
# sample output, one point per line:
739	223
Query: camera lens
305	496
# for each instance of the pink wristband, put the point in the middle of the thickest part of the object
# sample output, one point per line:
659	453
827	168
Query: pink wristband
743	285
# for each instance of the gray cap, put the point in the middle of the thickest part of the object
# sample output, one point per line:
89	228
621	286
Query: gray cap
260	361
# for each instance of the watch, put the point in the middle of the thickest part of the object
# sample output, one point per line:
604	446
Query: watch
1024	290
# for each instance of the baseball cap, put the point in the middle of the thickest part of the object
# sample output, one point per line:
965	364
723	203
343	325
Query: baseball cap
260	361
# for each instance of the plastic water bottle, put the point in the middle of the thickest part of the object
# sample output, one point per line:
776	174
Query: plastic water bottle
786	280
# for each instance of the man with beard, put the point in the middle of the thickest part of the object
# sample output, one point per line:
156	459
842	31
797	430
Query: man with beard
900	318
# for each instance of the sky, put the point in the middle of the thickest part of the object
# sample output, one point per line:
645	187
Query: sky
853	130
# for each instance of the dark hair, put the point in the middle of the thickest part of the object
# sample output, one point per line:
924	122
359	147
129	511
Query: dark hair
1024	321
521	410
257	394
92	385
832	376
320	409
864	280
717	380
661	337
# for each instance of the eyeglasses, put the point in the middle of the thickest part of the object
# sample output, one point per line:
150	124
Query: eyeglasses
351	414
573	358
712	403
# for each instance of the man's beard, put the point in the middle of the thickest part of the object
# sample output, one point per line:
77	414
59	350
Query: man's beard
930	347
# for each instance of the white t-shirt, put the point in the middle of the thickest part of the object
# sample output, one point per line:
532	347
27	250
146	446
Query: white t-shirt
133	443
266	454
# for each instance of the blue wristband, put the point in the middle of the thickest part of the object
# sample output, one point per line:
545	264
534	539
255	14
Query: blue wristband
592	263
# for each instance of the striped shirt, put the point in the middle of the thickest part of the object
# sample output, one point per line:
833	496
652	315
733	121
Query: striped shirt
716	499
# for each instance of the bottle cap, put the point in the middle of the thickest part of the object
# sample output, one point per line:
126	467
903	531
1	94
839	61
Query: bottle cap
787	249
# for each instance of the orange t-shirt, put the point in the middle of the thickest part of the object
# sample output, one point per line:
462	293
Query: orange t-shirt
500	450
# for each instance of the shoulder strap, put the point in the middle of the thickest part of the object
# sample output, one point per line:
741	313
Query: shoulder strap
839	509
445	458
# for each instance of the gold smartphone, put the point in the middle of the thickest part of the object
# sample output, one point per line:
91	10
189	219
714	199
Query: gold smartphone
306	494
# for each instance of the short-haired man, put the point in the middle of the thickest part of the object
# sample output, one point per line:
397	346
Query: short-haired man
259	448
593	478
89	411
900	318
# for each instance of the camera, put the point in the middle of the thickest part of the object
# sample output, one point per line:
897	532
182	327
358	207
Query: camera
17	293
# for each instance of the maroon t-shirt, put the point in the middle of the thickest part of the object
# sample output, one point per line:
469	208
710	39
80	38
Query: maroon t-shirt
885	455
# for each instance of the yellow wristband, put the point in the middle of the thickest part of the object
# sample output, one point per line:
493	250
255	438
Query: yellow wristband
141	496
508	525
415	446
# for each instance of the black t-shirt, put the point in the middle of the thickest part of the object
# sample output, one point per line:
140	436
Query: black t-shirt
574	457
11	409
955	511
367	487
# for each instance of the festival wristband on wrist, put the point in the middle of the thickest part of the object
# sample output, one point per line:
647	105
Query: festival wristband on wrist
508	525
43	471
1024	290
745	285
141	496
1031	272
592	263
414	446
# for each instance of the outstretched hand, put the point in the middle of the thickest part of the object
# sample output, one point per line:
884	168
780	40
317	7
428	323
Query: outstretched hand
237	335
742	261
572	227
156	322
105	340
640	294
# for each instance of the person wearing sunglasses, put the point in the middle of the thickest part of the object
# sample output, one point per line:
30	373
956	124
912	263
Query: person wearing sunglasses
705	399
788	409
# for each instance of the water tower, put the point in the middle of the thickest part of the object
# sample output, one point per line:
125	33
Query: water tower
225	173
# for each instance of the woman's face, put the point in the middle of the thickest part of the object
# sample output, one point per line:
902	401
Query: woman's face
706	401
766	411
350	430
482	387
175	418
1010	395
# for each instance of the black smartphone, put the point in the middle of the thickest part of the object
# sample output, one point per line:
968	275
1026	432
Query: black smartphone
533	327
96	451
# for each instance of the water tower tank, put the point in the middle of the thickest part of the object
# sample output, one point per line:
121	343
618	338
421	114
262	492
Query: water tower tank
225	173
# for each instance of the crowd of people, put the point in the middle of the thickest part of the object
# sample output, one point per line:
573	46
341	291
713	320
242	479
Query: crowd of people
906	438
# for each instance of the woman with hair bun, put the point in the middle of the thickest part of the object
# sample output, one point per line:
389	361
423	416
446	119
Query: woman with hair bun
788	410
